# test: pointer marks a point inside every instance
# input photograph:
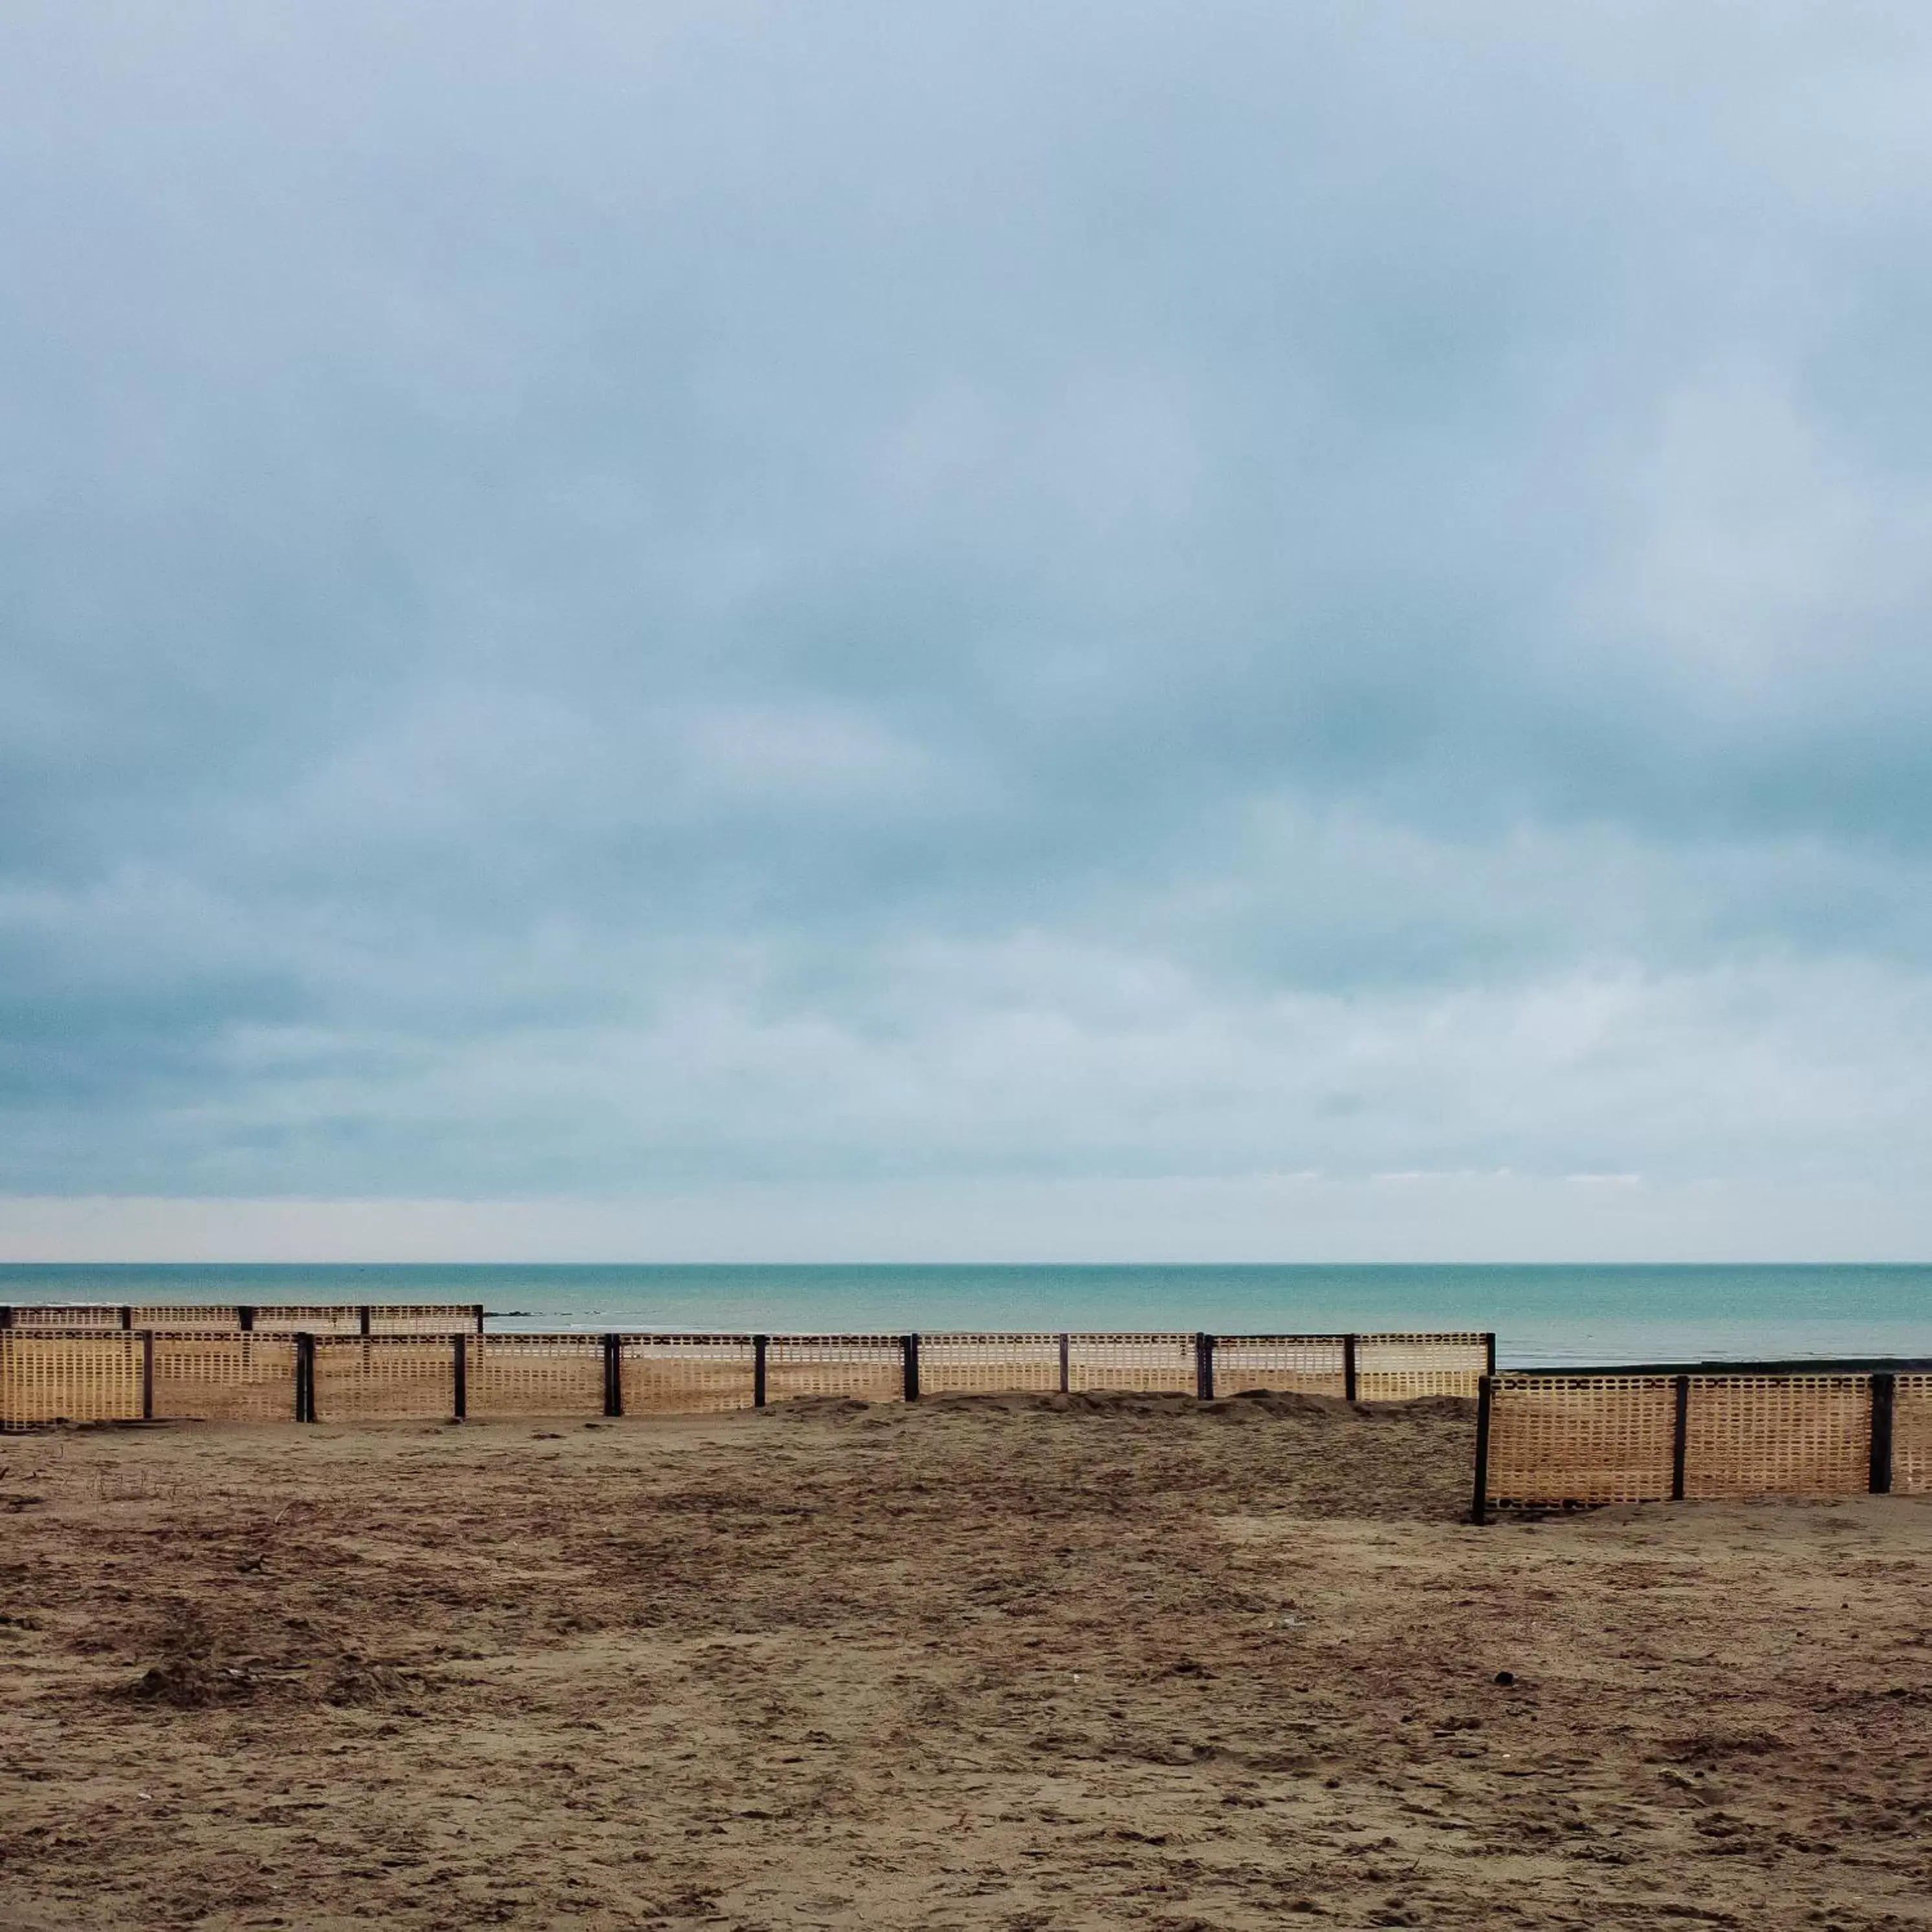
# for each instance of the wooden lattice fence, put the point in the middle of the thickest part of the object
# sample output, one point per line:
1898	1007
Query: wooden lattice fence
1611	1436
103	1372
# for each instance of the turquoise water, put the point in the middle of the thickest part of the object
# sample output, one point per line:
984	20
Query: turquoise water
1540	1315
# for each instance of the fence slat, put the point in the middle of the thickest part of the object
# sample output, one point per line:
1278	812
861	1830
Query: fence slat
1680	1437
1479	1511
1884	1402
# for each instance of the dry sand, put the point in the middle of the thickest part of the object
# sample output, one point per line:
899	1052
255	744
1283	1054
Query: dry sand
1011	1664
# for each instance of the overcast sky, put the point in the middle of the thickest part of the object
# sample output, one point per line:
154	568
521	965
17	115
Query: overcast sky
1113	630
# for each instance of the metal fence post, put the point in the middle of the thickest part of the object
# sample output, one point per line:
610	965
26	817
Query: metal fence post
305	1378
1680	1438
147	1374
909	1348
1203	1368
1347	1368
1488	1354
459	1377
1065	1352
758	1342
362	1319
245	1319
126	1317
1884	1393
1479	1509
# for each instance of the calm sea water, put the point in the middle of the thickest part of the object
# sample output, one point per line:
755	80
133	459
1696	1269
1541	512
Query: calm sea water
1540	1315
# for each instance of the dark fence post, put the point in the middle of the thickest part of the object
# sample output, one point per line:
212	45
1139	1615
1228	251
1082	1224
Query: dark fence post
362	1319
613	1374
1479	1509
6	1315
245	1319
1203	1368
1488	1354
305	1378
1347	1368
147	1374
1680	1438
909	1346
126	1317
758	1370
459	1376
1884	1390
476	1310
1064	1353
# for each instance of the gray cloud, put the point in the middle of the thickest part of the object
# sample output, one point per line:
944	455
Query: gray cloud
601	599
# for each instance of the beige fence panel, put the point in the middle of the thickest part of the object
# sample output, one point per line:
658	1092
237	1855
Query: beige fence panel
535	1374
1399	1368
336	1318
1294	1364
201	1317
1912	1436
1581	1438
1147	1364
685	1374
871	1368
66	1317
88	1376
966	1363
424	1317
379	1378
1759	1435
224	1377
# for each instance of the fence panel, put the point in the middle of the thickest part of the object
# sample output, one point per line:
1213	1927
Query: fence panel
871	1368
1757	1435
425	1318
969	1364
383	1378
1294	1364
535	1375
685	1374
1399	1368
335	1318
198	1317
1581	1438
1912	1436
1146	1364
224	1377
65	1317
91	1375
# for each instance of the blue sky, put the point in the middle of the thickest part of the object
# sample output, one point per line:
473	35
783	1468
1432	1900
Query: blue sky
1111	632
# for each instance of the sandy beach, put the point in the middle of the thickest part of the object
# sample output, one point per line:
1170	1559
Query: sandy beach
1017	1663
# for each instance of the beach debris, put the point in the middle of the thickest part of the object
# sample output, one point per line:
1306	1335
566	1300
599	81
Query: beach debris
190	1684
1505	1677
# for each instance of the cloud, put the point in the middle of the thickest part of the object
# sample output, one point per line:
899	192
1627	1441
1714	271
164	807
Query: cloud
706	599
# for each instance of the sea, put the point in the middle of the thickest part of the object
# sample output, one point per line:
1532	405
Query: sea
1542	1316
